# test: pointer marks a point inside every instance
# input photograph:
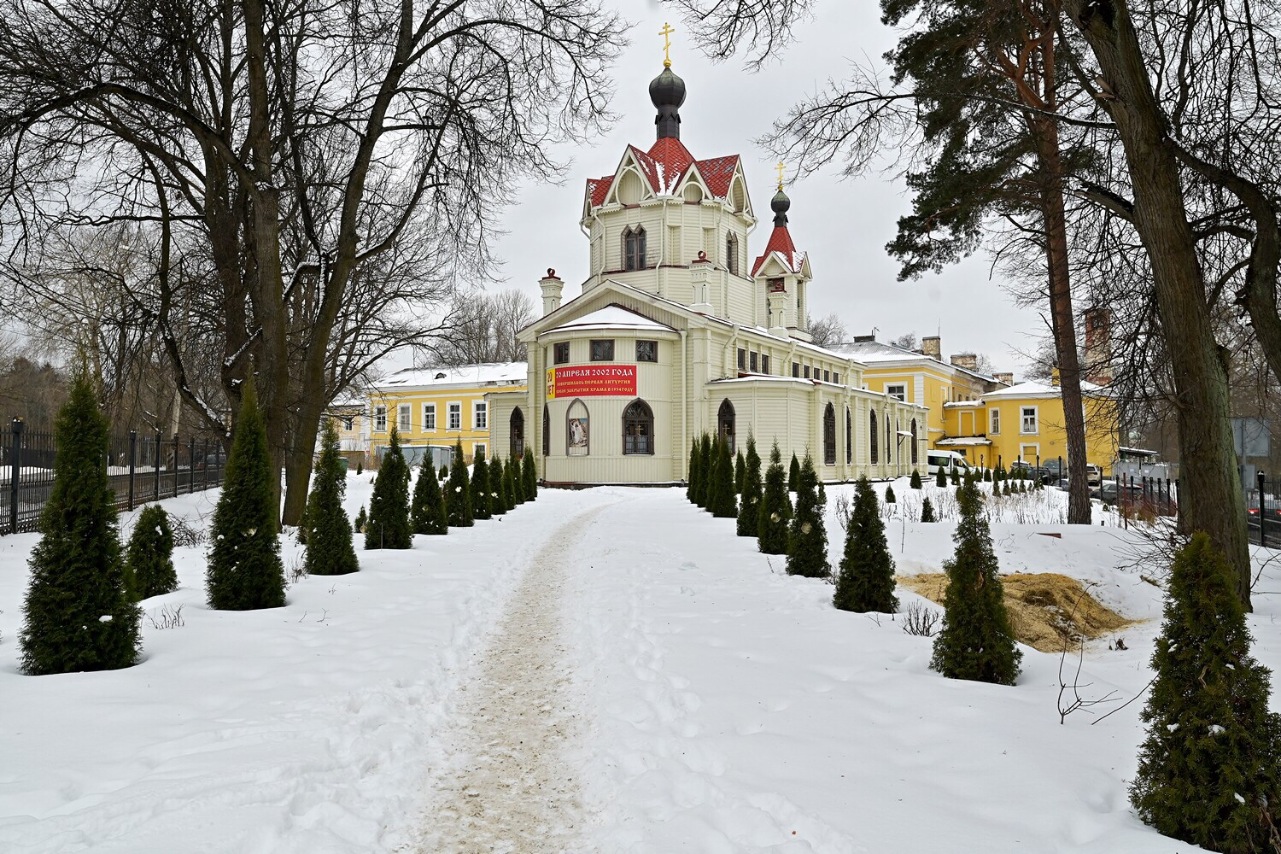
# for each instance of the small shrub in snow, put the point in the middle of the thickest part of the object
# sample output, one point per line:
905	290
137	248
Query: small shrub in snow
807	536
987	475
889	494
360	468
361	518
529	478
940	478
706	459
927	510
149	558
186	534
749	504
427	513
740	472
776	508
920	620
497	496
695	464
388	524
458	492
481	504
167	617
720	493
915	482
794	474
1210	768
956	477
865	580
329	546
513	483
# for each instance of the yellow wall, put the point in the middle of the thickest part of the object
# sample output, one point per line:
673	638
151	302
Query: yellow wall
938	385
417	435
1048	441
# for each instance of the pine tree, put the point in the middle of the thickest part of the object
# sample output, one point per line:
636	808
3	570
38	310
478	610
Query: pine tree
987	475
695	459
360	467
721	501
149	558
529	478
927	510
865	581
807	536
705	461
77	612
481	502
740	472
1210	767
794	474
358	524
749	504
940	478
458	491
889	494
497	497
915	482
776	508
427	513
975	641
388	524
512	482
329	546
244	570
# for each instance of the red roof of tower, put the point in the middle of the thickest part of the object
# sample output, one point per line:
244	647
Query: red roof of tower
665	165
780	241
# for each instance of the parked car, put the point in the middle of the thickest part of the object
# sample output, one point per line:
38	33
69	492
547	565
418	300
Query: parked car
1109	491
1023	470
949	461
1093	474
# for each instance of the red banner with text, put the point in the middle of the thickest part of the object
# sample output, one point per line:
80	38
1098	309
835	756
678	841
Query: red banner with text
591	381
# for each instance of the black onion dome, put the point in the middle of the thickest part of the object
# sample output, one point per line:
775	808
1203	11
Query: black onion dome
780	205
667	92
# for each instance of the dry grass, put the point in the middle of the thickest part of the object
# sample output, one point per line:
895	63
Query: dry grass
1045	608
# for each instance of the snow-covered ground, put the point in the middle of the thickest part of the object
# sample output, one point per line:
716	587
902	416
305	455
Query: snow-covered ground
605	670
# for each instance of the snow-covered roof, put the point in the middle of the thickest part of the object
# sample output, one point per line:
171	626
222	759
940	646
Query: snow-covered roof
963	441
612	317
874	352
1035	389
489	373
960	403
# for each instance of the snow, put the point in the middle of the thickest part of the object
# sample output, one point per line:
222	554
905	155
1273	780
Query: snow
487	373
613	317
702	700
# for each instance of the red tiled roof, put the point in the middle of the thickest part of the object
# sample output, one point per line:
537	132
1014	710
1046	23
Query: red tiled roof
672	154
665	165
599	189
717	172
781	242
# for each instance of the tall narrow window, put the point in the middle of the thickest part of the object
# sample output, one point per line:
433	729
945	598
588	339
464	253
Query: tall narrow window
638	428
380	419
577	430
764	363
634	248
517	432
455	416
480	415
849	436
871	435
829	435
913	441
403	418
547	432
742	359
731	253
995	421
725	423
889	441
1028	414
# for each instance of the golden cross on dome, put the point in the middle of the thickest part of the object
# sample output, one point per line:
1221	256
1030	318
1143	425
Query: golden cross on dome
666	33
779	167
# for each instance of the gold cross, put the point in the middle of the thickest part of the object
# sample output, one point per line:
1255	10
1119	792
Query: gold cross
666	33
779	167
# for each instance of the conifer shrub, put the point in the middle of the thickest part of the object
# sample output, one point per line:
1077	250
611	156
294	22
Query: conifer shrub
740	472
822	496
956	477
511	483
927	510
444	473
695	458
975	641
388	523
427	513
529	478
722	503
794	474
940	478
497	498
1210	767
329	546
889	494
750	502
807	536
149	557
987	475
481	501
360	521
360	467
865	580
915	482
458	491
77	614
776	508
706	459
244	570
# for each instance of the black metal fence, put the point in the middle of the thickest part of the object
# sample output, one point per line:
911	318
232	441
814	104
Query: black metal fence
1141	496
140	468
1263	510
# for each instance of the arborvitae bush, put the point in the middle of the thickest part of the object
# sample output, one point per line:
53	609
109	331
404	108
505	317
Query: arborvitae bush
458	492
889	494
77	612
1210	768
975	641
695	458
360	467
244	570
149	558
481	502
511	483
776	508
721	501
497	496
822	496
915	482
329	547
750	502
427	514
807	536
740	472
927	510
865	581
388	525
987	475
956	477
706	459
794	474
444	473
360	521
940	478
529	478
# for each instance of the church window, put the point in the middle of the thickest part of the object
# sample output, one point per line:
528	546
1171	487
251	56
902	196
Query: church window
796	369
517	433
638	428
602	349
577	430
836	377
634	248
913	441
872	434
731	253
725	423
547	432
560	353
753	359
827	376
829	435
849	436
647	351
742	359
807	372
764	363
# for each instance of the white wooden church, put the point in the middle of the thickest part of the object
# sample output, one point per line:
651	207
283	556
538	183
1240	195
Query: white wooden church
676	333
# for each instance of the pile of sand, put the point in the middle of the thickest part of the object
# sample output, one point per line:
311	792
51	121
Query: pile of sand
1045	608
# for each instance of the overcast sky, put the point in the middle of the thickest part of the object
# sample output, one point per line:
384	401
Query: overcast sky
843	224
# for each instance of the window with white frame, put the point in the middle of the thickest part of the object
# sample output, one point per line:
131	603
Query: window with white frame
1028	419
478	449
455	417
479	416
994	421
380	419
898	390
404	420
429	416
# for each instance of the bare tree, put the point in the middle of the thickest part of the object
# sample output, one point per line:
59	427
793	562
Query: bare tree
906	341
828	330
483	327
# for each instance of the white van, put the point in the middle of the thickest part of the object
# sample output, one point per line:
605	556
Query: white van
948	461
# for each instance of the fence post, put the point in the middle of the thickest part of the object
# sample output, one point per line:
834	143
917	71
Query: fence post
15	475
133	462
1263	512
191	461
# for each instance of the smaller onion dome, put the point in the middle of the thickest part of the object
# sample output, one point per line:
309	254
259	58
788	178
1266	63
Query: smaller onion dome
667	92
780	204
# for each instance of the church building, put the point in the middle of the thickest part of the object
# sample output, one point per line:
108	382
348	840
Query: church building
679	331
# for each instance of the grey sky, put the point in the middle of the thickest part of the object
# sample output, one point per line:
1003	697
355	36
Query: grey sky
842	224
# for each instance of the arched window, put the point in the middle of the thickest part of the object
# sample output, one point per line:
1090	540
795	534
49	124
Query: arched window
638	428
829	435
634	248
577	430
725	423
873	434
889	440
547	432
849	437
517	433
731	253
913	441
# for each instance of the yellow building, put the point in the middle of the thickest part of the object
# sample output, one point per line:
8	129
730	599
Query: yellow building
438	407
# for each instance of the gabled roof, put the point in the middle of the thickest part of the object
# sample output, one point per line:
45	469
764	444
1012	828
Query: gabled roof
613	316
490	373
666	163
1034	389
780	245
877	353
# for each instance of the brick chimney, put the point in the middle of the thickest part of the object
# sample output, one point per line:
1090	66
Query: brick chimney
932	346
1004	378
552	288
1098	346
968	361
